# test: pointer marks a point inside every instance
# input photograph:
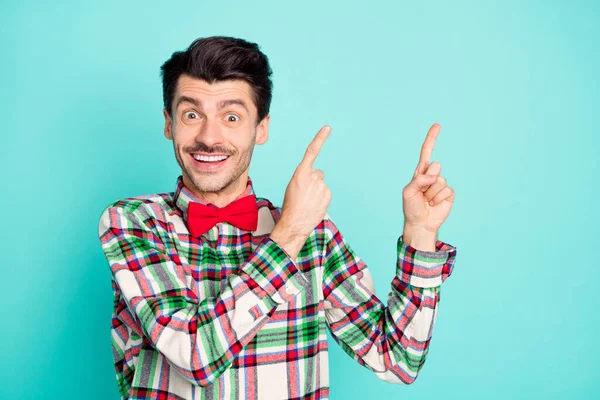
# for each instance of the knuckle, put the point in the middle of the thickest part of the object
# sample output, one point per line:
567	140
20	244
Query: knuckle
310	150
318	174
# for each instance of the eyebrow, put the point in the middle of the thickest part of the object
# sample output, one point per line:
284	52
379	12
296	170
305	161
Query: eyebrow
220	105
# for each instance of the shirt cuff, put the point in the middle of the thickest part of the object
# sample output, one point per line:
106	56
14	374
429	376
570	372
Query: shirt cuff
425	269
272	268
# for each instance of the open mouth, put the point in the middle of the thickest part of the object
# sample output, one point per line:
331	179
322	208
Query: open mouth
209	162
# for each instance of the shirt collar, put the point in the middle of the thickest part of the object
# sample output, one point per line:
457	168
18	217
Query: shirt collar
183	196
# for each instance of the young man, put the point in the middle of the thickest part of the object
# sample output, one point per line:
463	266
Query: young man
219	294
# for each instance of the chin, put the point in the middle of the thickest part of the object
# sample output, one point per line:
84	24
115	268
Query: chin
210	182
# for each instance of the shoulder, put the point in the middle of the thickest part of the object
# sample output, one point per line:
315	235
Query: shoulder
137	210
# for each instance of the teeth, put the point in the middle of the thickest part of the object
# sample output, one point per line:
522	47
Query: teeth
199	157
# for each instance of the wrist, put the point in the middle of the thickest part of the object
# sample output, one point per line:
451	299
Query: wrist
290	241
419	238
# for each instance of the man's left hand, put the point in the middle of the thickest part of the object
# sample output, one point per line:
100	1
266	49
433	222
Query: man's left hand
427	200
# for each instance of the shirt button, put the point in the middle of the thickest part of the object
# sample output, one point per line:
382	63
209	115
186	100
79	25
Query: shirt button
225	250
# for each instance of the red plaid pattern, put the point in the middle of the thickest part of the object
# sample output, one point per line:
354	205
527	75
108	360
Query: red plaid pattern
230	315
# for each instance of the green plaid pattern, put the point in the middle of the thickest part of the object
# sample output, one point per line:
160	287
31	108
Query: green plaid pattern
229	315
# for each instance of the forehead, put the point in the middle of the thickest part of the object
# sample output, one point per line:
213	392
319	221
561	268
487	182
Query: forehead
209	93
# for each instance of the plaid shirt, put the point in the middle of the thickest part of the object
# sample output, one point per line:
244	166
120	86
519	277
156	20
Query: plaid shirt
229	315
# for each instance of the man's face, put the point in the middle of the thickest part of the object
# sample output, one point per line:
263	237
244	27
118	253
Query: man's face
214	132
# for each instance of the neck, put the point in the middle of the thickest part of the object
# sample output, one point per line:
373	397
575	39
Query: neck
222	197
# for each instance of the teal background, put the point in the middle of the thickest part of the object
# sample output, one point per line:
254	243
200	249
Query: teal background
514	85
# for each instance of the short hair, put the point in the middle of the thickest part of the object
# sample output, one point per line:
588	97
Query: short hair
219	58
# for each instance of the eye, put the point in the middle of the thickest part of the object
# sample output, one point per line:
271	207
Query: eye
236	118
192	115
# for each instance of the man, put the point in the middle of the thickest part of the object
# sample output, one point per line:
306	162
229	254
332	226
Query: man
219	294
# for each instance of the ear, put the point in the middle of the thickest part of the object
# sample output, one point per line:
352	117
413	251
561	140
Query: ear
168	125
262	130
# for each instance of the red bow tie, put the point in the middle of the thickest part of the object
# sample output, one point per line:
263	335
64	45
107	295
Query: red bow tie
242	213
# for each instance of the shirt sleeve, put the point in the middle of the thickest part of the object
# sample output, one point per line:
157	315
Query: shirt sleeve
391	340
199	337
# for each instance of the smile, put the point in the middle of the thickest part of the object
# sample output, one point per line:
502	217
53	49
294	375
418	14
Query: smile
201	157
206	162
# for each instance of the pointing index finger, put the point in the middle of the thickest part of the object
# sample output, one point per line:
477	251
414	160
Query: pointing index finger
313	149
427	148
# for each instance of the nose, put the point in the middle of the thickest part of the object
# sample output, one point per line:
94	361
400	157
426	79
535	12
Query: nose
210	133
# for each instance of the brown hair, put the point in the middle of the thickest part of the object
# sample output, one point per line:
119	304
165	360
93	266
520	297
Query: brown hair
219	58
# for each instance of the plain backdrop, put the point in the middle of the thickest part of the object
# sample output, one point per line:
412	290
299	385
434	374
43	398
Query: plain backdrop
514	86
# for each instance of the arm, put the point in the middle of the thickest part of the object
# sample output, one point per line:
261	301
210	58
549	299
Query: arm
392	341
198	337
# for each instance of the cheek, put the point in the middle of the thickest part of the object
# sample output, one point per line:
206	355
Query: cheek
240	143
183	139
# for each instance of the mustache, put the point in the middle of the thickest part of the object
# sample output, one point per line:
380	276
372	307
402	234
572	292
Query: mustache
205	149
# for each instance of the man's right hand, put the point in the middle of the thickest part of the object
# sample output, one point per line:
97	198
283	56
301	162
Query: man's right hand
305	201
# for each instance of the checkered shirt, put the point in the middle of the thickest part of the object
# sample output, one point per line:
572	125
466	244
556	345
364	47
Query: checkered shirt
229	315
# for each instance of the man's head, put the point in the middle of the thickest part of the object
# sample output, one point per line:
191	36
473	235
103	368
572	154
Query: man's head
216	97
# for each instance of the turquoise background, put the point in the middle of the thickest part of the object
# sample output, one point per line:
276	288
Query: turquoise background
514	86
